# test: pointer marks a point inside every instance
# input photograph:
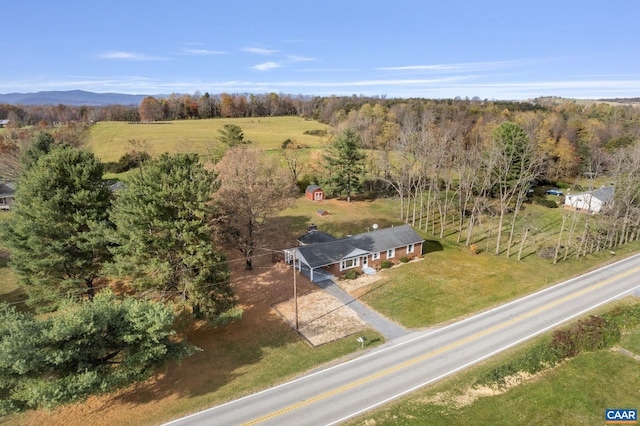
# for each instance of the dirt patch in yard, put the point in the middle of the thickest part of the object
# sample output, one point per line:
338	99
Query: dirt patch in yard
321	318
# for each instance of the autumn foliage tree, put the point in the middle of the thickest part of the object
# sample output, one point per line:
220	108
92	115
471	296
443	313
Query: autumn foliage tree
150	109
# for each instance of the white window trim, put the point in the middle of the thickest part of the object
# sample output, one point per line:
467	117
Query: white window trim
375	256
391	253
354	261
410	248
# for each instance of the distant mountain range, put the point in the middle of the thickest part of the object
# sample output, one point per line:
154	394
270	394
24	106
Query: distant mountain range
71	97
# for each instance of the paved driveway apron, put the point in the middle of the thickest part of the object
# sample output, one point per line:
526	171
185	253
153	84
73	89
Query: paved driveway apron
389	329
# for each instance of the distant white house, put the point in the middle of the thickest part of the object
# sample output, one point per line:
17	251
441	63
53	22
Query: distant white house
590	201
3	123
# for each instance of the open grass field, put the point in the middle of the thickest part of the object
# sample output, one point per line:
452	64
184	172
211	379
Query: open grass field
110	140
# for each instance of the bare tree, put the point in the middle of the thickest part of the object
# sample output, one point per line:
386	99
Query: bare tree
252	187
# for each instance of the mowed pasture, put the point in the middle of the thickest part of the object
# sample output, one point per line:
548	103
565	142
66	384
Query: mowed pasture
110	140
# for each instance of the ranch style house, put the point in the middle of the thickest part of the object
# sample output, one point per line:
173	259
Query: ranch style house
322	255
591	201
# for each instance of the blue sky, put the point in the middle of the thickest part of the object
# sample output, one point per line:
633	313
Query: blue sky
432	49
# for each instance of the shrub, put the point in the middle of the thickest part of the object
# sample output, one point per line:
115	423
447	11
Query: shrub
315	132
548	203
386	264
304	181
351	274
535	360
127	162
586	335
404	259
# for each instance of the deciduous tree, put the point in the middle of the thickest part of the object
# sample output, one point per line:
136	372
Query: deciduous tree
150	109
252	188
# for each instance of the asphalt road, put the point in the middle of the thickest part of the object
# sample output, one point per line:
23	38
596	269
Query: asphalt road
333	395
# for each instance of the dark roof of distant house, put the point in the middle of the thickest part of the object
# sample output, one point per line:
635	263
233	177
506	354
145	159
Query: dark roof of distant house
328	253
312	188
314	237
603	194
6	190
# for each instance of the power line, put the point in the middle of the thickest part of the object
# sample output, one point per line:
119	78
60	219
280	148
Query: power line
208	286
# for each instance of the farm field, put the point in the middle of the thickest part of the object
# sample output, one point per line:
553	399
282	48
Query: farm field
110	140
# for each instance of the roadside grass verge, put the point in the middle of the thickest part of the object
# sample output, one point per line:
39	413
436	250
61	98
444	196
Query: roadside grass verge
631	342
109	140
576	391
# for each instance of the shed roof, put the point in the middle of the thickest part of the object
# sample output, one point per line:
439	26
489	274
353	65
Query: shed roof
311	188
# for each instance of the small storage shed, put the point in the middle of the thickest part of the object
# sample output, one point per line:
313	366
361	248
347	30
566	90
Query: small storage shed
314	193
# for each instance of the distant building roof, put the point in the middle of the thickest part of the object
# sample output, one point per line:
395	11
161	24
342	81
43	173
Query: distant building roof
312	188
6	190
604	194
315	237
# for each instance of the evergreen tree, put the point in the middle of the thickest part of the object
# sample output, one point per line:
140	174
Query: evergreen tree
345	163
232	136
91	348
39	147
56	235
163	242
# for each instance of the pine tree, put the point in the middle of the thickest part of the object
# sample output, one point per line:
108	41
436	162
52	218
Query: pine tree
162	240
83	349
56	235
345	162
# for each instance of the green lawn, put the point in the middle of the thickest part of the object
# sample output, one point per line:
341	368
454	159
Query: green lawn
110	140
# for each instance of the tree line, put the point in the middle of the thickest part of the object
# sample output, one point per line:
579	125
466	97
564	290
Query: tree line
453	166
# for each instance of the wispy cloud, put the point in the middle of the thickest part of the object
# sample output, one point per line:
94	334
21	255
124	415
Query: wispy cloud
130	56
259	51
460	67
296	58
267	66
203	52
446	87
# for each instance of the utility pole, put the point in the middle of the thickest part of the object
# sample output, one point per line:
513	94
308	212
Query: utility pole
295	290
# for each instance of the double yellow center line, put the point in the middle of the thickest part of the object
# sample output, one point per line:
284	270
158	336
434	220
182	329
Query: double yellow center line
441	350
